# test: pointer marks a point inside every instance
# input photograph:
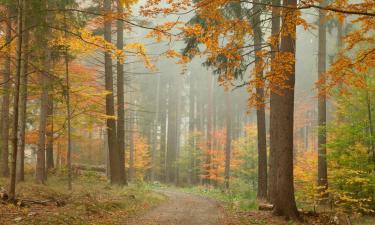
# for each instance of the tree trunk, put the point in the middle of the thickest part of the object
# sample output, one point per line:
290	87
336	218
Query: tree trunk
12	186
114	158
155	129
261	115
322	106
6	100
163	129
209	127
192	90
273	158
172	131
41	159
23	105
284	107
121	95
228	142
49	129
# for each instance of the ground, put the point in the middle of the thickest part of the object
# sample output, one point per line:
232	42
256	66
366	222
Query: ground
183	209
93	202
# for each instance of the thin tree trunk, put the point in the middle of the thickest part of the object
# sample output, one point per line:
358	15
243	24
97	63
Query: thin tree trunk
228	142
163	129
322	106
273	158
172	132
49	130
121	95
114	157
41	159
23	105
6	100
209	128
154	129
131	143
191	128
284	107
261	115
12	186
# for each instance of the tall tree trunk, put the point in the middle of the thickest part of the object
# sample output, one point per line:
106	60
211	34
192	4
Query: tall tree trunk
114	158
121	95
284	107
154	131
20	20
41	159
163	129
23	104
131	142
322	106
209	127
192	90
228	142
172	132
273	158
178	129
49	129
6	100
261	115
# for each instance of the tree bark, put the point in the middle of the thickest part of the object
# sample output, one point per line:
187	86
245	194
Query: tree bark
163	129
121	95
114	157
273	158
284	109
209	128
192	90
322	106
154	129
41	158
131	143
6	100
12	186
20	176
261	115
49	129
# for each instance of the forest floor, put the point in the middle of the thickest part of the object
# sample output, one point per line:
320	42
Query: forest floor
92	201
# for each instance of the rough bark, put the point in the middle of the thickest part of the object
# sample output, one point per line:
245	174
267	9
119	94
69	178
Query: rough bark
261	115
5	104
20	176
284	107
12	186
114	158
272	178
121	95
322	106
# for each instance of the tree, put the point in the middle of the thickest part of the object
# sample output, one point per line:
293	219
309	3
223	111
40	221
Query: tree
322	112
261	115
20	20
114	157
273	157
284	106
228	142
6	99
120	94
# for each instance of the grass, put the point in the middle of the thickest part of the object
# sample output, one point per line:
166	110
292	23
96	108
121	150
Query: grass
92	201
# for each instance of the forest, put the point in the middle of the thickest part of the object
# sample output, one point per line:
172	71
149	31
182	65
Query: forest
187	112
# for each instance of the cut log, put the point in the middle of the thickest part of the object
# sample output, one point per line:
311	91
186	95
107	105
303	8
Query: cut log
3	194
265	207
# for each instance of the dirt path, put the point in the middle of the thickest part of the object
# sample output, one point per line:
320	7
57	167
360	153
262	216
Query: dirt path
182	209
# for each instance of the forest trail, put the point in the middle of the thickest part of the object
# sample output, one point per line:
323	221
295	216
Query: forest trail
182	209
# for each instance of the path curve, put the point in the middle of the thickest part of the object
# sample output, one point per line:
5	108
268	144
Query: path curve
182	209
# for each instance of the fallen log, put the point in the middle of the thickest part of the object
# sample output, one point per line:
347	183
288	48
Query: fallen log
265	207
100	168
3	194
